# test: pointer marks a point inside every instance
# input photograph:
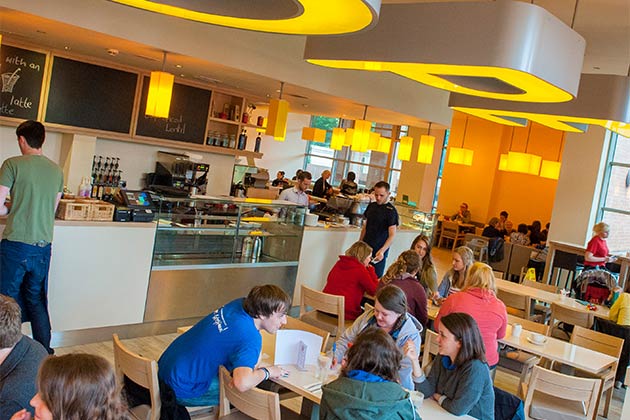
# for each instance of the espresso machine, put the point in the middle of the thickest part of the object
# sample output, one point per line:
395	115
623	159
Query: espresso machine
176	175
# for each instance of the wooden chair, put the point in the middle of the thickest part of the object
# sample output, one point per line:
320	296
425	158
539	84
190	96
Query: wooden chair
518	360
503	265
430	349
516	304
255	403
541	307
450	230
519	258
328	311
602	343
569	316
478	245
551	395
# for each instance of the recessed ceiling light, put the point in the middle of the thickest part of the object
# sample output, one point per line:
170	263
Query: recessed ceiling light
66	48
182	75
179	66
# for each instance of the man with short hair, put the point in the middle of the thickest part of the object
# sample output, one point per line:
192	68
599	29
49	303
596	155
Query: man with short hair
20	358
230	336
379	229
463	215
35	183
298	194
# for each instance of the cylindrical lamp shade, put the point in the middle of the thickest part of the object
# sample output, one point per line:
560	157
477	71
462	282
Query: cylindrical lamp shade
518	162
361	137
460	156
404	149
534	164
349	137
277	119
384	145
425	150
314	134
160	92
503	162
338	139
374	141
550	169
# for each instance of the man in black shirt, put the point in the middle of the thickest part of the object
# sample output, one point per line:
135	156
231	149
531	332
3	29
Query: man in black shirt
379	228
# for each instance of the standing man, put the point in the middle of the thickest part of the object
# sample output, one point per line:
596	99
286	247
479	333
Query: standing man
380	227
230	336
298	194
35	183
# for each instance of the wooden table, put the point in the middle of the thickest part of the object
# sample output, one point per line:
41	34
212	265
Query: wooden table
625	412
548	297
560	351
307	385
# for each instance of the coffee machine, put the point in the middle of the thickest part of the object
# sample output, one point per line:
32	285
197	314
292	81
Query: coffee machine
176	175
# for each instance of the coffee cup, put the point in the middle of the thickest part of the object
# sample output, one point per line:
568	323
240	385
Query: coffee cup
517	329
537	338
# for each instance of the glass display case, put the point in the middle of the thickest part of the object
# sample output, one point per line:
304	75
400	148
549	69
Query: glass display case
209	251
412	218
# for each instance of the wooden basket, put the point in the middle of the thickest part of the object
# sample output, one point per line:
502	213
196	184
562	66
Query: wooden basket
101	211
73	210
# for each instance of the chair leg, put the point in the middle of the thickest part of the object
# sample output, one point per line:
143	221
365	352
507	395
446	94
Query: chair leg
609	395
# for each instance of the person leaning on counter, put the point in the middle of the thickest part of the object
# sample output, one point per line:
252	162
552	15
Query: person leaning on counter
298	194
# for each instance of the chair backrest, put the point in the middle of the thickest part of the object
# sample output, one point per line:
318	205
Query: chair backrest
503	265
561	313
519	257
430	348
141	370
323	302
563	386
256	403
449	228
515	304
529	325
296	324
597	341
541	286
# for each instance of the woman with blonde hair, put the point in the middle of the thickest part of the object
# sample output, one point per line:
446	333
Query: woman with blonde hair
427	274
478	299
455	279
402	273
76	387
353	276
596	255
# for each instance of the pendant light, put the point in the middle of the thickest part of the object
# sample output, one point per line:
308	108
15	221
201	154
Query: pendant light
314	134
550	168
277	118
384	145
461	155
374	141
349	137
503	157
523	162
338	138
404	148
425	149
160	92
361	135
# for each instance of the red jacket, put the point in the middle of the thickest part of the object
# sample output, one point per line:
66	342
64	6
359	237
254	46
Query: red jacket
486	309
351	279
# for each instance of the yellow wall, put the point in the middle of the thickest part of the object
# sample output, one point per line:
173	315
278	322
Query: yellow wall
487	190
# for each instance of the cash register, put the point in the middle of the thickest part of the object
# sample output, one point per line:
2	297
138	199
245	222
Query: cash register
135	206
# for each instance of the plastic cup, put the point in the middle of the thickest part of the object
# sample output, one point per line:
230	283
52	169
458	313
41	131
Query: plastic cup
517	329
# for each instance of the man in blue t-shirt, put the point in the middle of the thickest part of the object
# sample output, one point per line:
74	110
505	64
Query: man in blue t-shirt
380	226
229	336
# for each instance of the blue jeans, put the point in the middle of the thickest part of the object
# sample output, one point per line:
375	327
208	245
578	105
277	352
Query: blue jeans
24	277
380	266
211	397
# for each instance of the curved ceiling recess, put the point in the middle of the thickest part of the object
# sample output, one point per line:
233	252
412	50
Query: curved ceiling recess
295	17
505	50
602	99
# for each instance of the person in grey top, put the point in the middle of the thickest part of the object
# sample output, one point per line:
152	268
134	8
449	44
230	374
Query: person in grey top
463	215
298	194
459	379
20	358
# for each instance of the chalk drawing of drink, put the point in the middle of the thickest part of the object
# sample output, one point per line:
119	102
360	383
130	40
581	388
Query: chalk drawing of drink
9	79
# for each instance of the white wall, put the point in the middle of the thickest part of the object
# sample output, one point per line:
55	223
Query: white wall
287	156
9	146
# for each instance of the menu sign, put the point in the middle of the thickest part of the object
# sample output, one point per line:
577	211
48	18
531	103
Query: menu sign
22	73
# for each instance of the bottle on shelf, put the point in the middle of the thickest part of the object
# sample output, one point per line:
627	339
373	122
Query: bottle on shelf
257	144
232	143
85	188
242	140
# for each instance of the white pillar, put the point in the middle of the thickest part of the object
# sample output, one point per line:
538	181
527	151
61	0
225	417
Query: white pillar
77	162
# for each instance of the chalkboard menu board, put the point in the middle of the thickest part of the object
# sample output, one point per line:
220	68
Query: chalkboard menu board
22	73
90	96
187	117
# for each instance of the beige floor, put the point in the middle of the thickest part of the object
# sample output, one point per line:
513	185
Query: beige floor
153	346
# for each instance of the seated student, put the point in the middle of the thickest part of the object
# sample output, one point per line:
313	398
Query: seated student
368	387
503	223
536	237
322	188
280	181
459	379
520	236
20	358
390	315
402	273
463	215
229	336
76	386
492	230
353	276
348	186
455	278
427	274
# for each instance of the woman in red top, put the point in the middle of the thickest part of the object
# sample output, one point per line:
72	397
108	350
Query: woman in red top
596	254
351	277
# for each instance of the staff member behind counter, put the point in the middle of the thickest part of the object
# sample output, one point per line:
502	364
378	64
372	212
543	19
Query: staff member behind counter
298	194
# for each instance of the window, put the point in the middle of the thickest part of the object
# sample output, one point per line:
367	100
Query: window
369	167
615	198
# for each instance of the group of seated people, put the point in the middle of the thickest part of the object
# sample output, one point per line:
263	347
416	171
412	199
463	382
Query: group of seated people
322	188
528	235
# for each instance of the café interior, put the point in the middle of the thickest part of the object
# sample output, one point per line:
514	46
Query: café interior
511	106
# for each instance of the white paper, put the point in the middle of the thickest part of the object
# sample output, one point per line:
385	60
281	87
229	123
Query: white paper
287	346
301	359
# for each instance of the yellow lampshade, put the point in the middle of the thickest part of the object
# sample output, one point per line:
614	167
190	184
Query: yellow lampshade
314	134
160	92
361	136
374	140
503	161
277	119
550	169
534	164
425	150
524	163
384	145
338	139
460	156
404	150
349	137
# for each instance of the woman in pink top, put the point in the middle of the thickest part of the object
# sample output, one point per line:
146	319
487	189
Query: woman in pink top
479	300
351	277
596	254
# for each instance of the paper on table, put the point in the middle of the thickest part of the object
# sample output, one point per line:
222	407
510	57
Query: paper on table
287	344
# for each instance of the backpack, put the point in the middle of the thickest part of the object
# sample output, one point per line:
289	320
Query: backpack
495	249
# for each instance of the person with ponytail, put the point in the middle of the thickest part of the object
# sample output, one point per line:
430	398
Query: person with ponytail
427	274
402	273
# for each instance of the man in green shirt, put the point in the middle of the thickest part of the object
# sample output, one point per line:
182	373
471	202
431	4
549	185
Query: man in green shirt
35	183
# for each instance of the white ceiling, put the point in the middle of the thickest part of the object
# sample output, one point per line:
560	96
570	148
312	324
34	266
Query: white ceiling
605	24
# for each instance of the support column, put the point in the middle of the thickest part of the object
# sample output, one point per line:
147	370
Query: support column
77	152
